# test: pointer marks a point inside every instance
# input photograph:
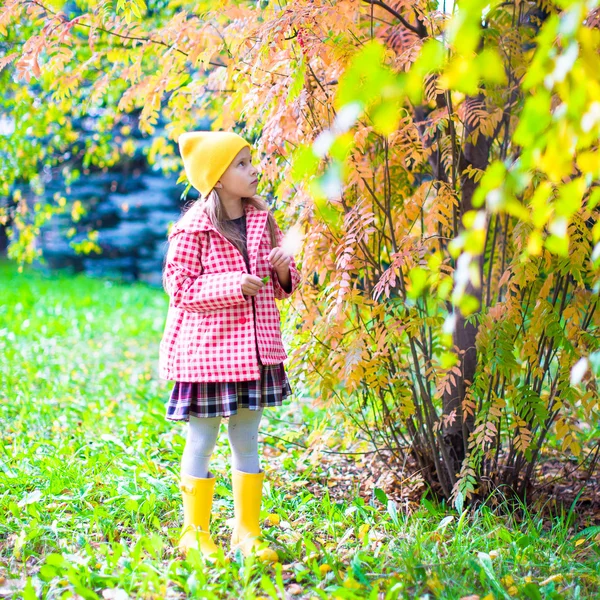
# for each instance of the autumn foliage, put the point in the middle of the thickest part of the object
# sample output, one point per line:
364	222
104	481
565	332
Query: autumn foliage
444	172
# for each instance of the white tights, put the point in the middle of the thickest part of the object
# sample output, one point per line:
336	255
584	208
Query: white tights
202	437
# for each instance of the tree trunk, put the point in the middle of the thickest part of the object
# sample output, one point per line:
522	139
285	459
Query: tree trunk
3	240
456	434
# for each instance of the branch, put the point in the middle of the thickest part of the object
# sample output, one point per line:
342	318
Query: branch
398	16
270	435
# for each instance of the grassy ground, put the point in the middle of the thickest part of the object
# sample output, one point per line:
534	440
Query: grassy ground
90	507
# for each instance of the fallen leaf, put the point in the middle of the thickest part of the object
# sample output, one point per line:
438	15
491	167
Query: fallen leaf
435	585
294	589
10	587
31	498
557	577
115	594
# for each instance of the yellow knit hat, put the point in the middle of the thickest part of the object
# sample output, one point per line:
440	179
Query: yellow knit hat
207	154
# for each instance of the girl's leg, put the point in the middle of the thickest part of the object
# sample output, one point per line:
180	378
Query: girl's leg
198	486
200	443
247	482
243	439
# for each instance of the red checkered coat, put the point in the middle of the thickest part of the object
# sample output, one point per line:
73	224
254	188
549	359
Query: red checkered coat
210	333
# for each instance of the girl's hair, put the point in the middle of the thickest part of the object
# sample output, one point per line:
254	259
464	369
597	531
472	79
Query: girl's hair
216	212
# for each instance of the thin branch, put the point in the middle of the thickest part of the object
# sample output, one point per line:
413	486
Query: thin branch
119	35
270	435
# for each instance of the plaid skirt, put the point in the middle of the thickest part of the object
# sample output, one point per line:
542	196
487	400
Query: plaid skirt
222	399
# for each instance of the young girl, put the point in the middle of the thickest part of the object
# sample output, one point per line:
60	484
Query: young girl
222	343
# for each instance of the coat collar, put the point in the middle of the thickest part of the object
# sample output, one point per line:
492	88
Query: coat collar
196	220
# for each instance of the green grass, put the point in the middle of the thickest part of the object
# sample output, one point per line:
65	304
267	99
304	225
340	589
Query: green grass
89	499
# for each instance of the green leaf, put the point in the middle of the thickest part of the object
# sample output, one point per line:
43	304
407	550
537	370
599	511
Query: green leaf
357	570
534	120
56	560
532	591
462	75
341	147
558	245
493	179
418	282
29	592
131	504
570	197
386	117
486	562
367	77
490	66
298	77
468	304
380	495
304	163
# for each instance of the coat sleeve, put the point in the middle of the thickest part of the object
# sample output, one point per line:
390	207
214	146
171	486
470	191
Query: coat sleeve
280	293
188	287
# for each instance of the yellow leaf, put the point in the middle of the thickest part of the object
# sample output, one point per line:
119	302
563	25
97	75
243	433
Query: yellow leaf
534	243
435	585
589	162
461	75
128	147
363	531
351	584
272	519
558	577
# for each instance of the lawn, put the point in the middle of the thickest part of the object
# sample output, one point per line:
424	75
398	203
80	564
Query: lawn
89	498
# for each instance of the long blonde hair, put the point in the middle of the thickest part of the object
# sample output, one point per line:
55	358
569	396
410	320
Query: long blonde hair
215	210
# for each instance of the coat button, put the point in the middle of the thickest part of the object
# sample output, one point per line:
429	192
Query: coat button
242	320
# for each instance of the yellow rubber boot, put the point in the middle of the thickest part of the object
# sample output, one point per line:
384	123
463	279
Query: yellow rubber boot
197	496
247	497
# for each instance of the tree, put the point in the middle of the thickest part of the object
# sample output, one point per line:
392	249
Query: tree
444	170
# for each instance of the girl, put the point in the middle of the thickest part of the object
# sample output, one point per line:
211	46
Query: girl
222	342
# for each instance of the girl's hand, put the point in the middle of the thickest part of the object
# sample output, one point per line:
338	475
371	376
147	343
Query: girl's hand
251	285
280	261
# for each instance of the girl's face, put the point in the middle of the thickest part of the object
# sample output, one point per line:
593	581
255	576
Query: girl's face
241	177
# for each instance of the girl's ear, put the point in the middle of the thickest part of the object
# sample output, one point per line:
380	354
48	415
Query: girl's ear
218	185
